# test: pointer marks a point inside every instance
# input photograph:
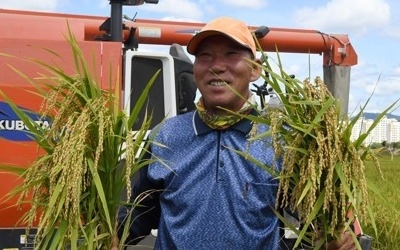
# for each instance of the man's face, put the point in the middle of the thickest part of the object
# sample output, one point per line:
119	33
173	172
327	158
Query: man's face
220	61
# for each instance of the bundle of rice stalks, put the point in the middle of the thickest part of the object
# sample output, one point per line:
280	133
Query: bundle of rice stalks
322	177
75	187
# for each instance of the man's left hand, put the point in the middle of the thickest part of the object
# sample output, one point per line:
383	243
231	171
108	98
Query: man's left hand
346	242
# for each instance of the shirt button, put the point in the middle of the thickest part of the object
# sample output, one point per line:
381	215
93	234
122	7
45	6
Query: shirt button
221	164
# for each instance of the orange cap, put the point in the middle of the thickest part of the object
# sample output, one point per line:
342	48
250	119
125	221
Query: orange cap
232	28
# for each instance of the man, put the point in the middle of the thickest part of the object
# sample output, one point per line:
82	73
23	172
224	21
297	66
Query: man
211	197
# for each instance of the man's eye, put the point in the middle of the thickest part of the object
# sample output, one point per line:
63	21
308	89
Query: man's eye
234	54
203	56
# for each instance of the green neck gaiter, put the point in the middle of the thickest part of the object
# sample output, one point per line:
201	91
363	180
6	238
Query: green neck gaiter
221	122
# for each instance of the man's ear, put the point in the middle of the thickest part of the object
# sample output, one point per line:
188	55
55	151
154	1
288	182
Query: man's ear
256	70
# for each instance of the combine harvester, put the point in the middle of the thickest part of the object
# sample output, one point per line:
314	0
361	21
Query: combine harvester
114	41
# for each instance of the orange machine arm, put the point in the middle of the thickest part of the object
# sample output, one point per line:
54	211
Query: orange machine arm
335	48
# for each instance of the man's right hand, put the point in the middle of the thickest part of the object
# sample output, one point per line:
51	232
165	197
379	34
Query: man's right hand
114	243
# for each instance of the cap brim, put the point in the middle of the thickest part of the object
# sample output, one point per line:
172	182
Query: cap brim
199	37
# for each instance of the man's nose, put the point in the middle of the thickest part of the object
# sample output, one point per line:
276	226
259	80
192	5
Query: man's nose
218	63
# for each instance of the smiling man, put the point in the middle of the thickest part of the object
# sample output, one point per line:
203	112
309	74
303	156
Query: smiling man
211	197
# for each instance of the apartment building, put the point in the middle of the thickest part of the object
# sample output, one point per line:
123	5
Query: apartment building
387	130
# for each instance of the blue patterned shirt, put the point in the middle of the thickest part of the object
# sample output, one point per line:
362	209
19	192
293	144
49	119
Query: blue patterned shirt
213	197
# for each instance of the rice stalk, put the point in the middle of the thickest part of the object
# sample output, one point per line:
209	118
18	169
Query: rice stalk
322	177
75	187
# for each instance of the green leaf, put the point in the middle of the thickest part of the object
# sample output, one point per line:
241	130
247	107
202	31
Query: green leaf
343	180
304	192
100	192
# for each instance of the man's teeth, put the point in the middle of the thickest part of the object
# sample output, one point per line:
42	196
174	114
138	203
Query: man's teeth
218	83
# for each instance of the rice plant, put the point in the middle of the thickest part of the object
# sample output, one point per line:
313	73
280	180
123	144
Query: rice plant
75	187
384	201
323	172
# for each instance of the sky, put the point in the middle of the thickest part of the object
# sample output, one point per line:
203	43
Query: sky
373	28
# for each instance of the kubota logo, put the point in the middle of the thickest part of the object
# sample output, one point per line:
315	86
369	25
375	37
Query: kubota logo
11	126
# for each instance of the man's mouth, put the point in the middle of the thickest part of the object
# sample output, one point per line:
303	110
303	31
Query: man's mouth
218	83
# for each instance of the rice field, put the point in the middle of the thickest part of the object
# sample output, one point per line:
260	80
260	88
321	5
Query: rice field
384	199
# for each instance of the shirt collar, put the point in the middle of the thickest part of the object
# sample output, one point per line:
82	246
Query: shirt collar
200	127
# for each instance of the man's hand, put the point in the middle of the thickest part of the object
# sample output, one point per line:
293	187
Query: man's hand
346	242
114	243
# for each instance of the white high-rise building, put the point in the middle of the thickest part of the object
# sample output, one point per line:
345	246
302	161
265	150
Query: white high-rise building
386	130
393	132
